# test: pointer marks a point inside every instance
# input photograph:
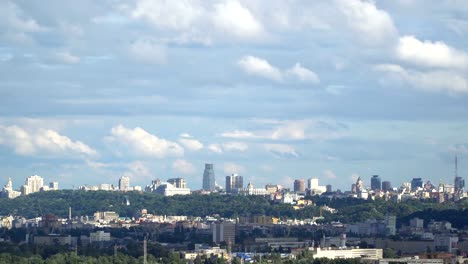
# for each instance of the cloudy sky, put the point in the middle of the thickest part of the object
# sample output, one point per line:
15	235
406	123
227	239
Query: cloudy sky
275	90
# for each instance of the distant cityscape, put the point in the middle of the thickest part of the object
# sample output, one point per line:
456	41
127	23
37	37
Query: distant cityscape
234	185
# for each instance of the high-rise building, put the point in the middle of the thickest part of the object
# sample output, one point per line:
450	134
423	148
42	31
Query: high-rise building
376	183
299	185
386	186
178	182
53	186
234	181
224	232
416	183
459	181
124	183
329	188
34	183
209	178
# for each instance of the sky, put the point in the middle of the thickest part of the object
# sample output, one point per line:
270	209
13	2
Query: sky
274	90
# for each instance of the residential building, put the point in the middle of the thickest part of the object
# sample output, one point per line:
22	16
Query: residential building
124	183
99	236
314	187
386	186
224	232
234	181
54	186
376	183
299	185
178	182
34	183
209	178
459	184
416	183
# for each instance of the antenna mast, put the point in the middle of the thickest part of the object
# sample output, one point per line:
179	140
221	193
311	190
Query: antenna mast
456	166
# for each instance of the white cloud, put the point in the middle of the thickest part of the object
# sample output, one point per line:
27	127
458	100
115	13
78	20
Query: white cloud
291	130
216	148
174	15
259	67
42	141
459	149
233	18
233	168
145	144
329	174
303	74
372	25
430	54
190	143
15	18
148	50
183	166
281	150
437	81
138	169
67	57
235	146
241	134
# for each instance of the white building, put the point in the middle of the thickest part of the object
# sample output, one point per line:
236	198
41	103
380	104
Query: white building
168	189
53	186
33	184
124	183
370	253
314	187
250	190
8	191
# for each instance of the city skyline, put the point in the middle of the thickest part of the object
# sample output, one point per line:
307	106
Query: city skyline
271	90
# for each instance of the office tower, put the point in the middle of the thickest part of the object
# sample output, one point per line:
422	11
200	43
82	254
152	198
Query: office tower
53	186
178	182
329	188
386	186
416	183
234	181
209	178
376	183
459	181
224	232
124	183
299	185
34	183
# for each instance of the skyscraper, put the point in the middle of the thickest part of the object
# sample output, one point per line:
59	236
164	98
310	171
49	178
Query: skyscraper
459	181
124	183
34	183
234	181
299	185
376	183
415	183
209	178
386	186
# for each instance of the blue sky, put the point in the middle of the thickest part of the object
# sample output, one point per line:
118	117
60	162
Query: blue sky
273	90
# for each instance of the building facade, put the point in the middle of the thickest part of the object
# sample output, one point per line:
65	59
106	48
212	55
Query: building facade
178	182
209	178
376	183
124	183
234	181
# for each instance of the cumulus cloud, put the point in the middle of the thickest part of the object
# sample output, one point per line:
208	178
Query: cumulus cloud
15	18
292	130
434	80
216	148
190	143
232	17
42	141
145	144
233	168
148	50
137	169
259	67
430	54
183	166
235	146
329	174
372	25
163	14
303	74
281	150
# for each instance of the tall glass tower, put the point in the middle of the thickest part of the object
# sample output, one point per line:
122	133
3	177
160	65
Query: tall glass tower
208	178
